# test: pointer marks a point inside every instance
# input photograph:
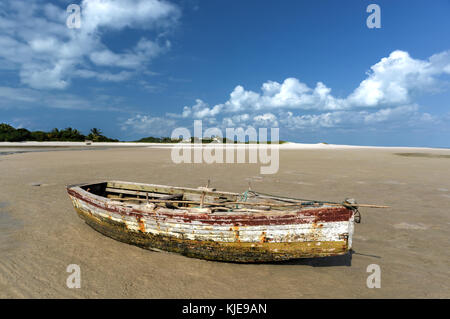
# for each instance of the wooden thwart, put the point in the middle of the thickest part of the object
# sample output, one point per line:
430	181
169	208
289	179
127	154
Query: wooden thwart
133	192
168	189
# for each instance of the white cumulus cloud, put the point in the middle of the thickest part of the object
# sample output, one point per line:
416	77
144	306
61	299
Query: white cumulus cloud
390	82
385	97
36	41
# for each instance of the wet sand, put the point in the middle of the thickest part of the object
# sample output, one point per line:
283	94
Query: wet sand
40	233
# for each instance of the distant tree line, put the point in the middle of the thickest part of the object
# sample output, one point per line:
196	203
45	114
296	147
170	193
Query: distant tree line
152	139
10	134
205	140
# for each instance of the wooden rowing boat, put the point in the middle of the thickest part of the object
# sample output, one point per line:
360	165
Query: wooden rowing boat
205	223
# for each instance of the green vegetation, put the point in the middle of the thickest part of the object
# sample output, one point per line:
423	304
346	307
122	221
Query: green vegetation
11	134
96	136
152	139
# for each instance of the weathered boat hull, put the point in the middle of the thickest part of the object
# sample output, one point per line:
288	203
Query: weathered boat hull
316	232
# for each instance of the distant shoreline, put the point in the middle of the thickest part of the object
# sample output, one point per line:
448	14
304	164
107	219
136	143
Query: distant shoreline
41	146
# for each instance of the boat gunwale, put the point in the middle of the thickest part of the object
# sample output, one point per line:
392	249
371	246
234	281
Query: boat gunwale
194	190
143	210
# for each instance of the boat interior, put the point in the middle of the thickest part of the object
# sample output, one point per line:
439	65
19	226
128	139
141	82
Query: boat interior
201	198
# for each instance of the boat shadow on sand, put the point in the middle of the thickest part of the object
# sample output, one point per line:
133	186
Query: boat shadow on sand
331	261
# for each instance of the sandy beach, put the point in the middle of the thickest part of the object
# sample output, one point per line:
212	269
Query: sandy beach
40	233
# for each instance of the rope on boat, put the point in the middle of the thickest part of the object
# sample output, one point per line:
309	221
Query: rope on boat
357	216
242	198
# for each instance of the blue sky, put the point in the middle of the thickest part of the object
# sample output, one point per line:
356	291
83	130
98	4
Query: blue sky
312	68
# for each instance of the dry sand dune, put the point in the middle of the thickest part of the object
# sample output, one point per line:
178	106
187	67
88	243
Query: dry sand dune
40	234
